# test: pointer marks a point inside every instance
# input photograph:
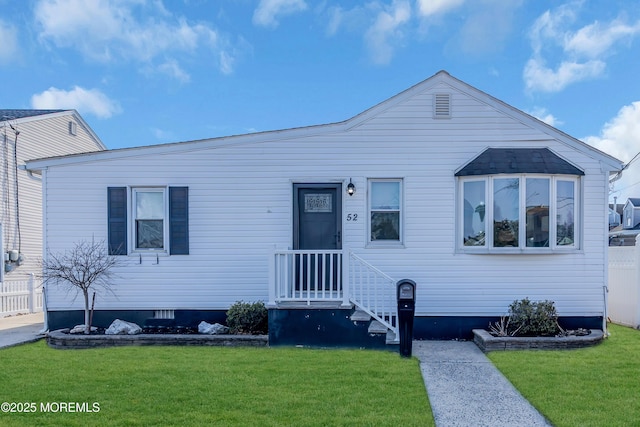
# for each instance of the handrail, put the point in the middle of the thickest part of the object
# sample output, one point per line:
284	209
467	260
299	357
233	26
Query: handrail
373	292
306	276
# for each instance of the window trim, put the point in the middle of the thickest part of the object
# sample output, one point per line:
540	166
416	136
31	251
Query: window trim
400	210
121	221
165	220
522	248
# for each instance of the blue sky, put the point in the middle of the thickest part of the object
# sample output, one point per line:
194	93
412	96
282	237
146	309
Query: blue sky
144	72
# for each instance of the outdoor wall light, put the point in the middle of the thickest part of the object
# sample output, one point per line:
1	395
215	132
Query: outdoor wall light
351	189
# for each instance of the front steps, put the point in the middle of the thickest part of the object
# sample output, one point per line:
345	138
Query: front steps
375	327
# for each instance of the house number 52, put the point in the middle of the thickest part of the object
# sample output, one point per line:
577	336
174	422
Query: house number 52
352	217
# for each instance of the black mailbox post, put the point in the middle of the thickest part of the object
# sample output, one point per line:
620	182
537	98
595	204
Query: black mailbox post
406	311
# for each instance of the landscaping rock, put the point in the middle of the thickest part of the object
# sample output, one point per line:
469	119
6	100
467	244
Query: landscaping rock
121	327
79	329
209	329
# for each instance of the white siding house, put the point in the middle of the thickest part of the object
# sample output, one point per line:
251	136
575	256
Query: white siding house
29	134
631	213
477	202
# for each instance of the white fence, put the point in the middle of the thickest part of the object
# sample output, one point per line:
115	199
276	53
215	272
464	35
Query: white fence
20	297
624	285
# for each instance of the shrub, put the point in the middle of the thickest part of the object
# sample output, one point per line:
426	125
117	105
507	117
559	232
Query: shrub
527	318
246	318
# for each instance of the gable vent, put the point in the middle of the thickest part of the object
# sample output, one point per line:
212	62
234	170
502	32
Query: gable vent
442	106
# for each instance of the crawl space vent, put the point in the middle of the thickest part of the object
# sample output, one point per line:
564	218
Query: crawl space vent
164	314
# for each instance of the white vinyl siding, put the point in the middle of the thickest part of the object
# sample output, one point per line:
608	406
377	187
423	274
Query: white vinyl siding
240	198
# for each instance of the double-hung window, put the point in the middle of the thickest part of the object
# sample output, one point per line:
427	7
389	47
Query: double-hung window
149	212
148	219
385	211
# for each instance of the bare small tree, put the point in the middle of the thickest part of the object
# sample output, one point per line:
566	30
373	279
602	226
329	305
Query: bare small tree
87	266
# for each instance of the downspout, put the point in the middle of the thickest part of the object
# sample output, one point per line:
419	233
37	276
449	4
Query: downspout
44	248
605	295
2	246
605	264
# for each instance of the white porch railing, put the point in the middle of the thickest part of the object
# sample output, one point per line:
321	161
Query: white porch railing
307	276
19	297
373	292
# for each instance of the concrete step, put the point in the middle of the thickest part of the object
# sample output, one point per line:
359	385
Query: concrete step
360	316
392	339
376	327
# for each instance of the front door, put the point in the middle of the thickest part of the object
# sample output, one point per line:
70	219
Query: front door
317	226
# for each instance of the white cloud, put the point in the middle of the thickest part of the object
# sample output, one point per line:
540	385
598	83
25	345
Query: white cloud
538	77
268	11
543	115
597	39
86	101
161	134
336	17
487	26
549	27
382	37
620	138
173	69
132	30
579	54
435	7
388	25
8	42
355	20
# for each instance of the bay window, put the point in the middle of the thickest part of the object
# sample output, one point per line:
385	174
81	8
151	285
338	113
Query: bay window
524	212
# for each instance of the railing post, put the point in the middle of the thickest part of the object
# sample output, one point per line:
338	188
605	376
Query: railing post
346	283
32	293
272	276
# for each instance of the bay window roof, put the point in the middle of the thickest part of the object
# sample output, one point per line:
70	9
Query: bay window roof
518	160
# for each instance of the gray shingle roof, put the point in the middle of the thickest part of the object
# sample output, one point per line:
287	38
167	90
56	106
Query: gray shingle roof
518	160
21	114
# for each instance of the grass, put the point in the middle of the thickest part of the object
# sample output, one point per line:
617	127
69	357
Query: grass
596	386
144	386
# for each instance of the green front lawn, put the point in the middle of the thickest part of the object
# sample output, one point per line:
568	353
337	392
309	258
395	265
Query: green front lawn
144	386
596	386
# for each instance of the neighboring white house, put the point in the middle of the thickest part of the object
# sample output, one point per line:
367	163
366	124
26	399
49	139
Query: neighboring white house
29	134
477	202
631	213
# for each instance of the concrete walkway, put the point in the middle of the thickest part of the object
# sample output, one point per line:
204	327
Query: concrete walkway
21	329
466	389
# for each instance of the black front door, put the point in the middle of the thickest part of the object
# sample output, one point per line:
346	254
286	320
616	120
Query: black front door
317	225
317	216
